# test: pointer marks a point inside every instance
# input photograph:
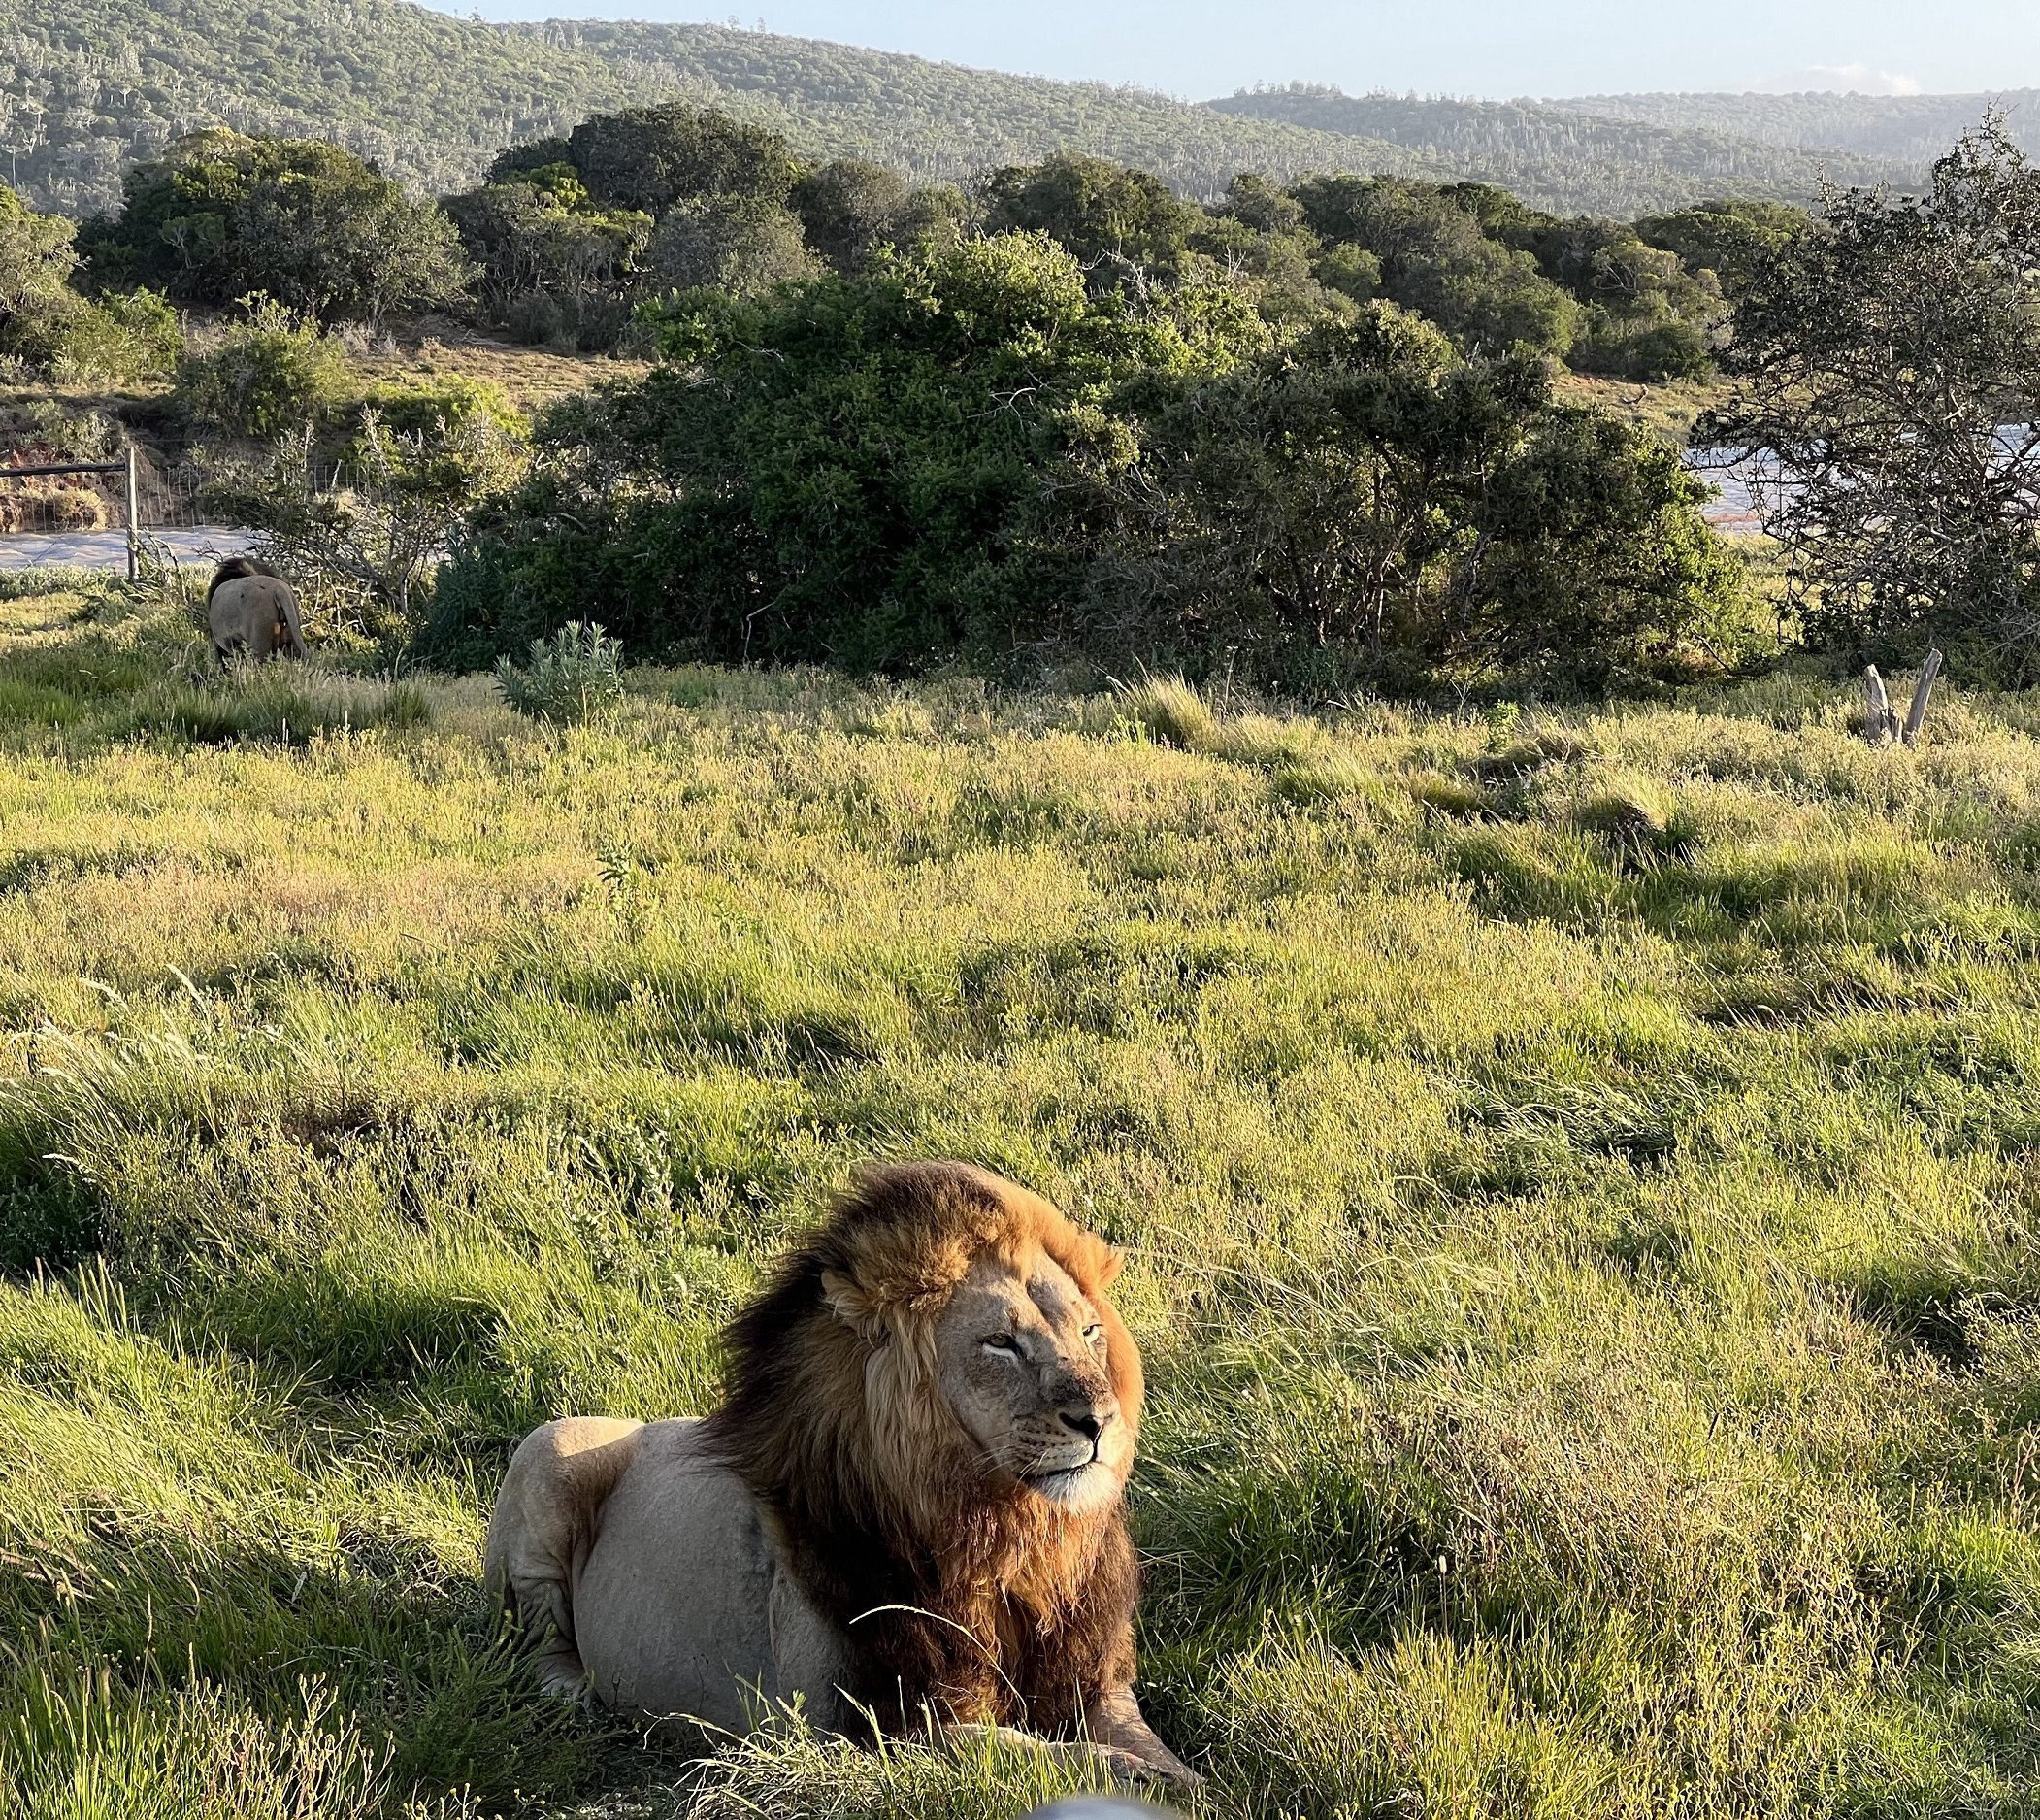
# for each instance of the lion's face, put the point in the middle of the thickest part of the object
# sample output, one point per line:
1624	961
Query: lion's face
1026	1362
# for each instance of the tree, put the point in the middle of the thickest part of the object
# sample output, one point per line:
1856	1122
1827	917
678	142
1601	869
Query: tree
1257	232
848	207
1109	217
1436	259
1887	367
649	158
1644	315
1297	501
222	214
743	245
1733	240
552	260
36	303
1588	560
1365	496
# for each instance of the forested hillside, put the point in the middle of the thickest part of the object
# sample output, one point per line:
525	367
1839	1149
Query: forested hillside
1571	160
87	86
939	121
1912	130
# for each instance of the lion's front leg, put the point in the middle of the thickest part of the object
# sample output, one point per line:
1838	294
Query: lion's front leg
1115	1721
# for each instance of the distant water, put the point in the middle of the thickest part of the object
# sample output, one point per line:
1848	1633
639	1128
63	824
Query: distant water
1732	473
1738	476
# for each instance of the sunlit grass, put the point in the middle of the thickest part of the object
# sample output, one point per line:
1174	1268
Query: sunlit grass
1576	1172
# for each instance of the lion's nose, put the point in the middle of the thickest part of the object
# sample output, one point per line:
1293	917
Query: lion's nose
1089	1423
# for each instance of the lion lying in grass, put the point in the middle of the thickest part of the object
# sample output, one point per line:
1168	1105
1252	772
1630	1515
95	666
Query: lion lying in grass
907	1509
250	608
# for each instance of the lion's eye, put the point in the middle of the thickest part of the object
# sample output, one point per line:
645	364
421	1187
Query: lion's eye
1094	1332
1004	1345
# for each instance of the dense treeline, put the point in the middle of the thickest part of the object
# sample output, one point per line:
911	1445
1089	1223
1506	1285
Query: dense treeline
1621	165
89	86
1307	432
570	233
979	453
1909	130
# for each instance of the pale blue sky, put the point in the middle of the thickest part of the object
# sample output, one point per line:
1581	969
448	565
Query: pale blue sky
1204	47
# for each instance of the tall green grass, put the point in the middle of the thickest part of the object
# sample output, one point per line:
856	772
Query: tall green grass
1577	1171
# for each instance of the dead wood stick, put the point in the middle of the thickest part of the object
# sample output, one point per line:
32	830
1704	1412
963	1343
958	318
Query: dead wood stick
1916	716
1879	717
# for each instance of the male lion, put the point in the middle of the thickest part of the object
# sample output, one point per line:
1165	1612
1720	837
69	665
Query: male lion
250	606
908	1505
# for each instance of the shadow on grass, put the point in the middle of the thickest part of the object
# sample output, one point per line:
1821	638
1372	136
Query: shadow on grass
404	1642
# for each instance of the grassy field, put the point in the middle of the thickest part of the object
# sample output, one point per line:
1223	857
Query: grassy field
1577	1170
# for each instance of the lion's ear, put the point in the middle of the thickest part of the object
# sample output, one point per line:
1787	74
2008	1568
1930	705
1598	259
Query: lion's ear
850	1305
1090	1260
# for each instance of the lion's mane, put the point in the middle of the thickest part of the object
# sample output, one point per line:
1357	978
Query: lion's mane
239	569
965	1596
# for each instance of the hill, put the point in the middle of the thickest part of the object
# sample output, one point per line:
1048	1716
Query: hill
1908	129
87	87
1567	158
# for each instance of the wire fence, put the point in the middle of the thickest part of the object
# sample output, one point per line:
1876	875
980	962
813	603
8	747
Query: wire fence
133	512
55	497
168	499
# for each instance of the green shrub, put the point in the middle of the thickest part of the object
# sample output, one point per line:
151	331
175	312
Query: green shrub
572	676
270	375
123	337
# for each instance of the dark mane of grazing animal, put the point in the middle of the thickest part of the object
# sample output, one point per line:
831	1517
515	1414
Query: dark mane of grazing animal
234	568
962	1595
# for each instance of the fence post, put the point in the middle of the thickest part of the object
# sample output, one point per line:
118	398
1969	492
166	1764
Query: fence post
134	517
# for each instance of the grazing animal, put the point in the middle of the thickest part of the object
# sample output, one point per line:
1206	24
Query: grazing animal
250	608
907	1509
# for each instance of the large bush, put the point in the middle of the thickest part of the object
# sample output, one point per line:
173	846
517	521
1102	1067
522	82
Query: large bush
974	455
568	234
122	336
843	471
1432	256
37	304
1109	215
741	245
1366	497
222	214
552	261
649	158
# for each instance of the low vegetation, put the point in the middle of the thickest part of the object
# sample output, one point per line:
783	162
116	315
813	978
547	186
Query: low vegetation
1573	1165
